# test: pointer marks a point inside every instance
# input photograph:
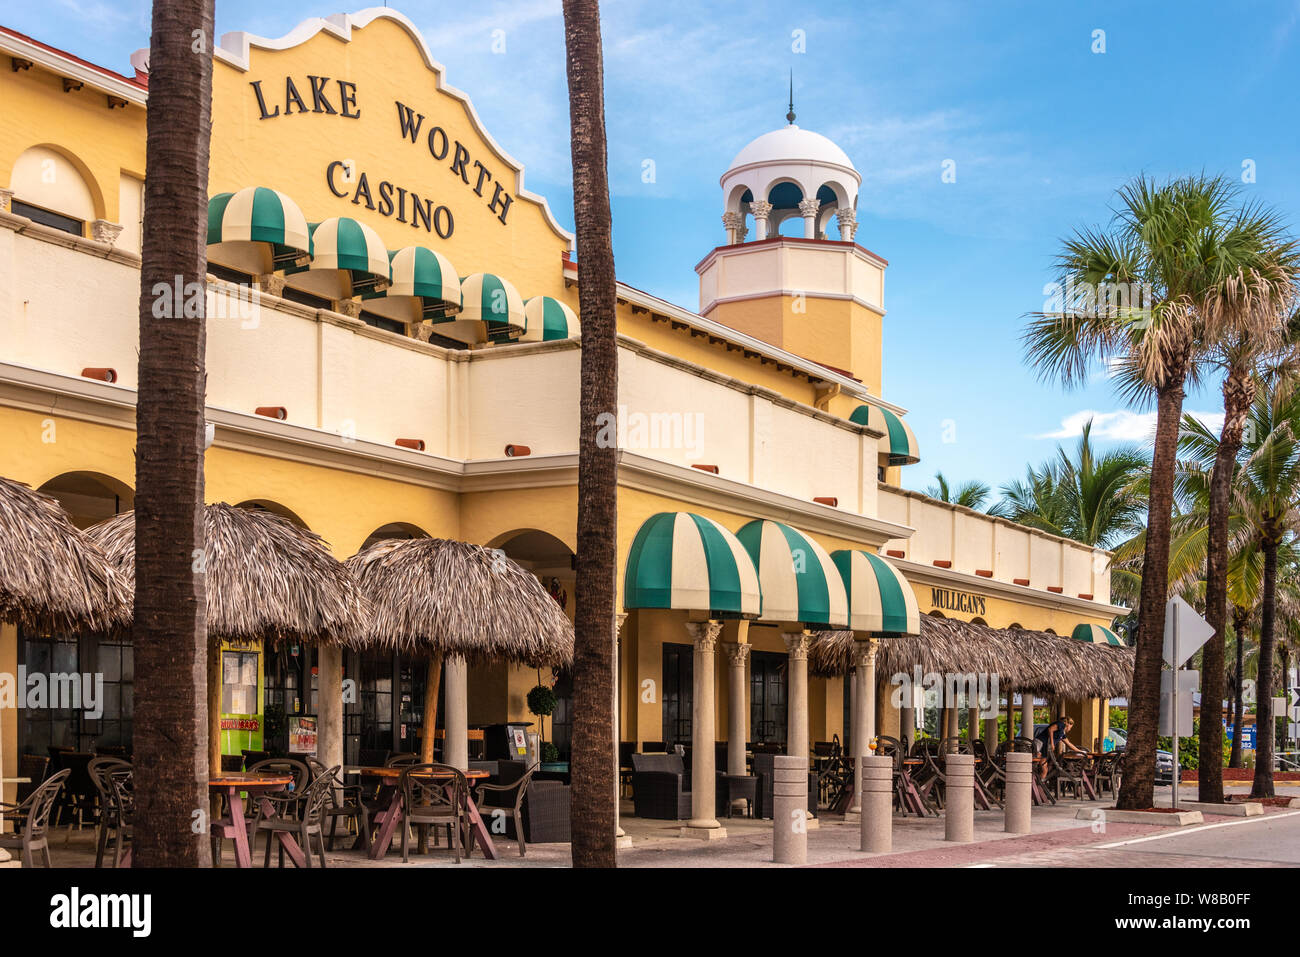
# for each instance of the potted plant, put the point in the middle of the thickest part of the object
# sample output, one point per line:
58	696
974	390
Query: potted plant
542	702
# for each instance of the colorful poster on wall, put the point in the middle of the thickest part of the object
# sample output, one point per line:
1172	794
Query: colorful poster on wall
302	734
521	740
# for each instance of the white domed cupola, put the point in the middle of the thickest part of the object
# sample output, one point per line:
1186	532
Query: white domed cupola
790	172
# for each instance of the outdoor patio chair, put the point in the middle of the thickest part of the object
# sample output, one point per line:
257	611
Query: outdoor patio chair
79	795
659	789
1067	774
345	803
287	802
252	757
991	774
434	802
502	793
401	760
35	814
1025	745
306	824
1107	773
112	751
112	780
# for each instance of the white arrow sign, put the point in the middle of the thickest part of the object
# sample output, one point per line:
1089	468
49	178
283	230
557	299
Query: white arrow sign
1185	631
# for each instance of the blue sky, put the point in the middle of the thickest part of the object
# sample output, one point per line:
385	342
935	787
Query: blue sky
1042	129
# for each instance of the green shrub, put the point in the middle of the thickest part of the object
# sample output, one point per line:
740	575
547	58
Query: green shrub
542	701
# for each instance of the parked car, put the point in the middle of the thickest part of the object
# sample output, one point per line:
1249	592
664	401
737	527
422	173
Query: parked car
1164	759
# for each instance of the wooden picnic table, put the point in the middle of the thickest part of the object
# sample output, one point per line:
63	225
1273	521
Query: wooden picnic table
233	784
390	816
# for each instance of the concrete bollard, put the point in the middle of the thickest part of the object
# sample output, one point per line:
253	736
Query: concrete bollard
1019	798
959	797
789	811
877	802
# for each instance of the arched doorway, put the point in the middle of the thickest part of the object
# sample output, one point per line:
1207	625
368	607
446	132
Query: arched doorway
551	560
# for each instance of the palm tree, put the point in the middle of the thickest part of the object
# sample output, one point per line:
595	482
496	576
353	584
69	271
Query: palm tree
973	494
1151	274
1268	497
1250	307
171	767
593	763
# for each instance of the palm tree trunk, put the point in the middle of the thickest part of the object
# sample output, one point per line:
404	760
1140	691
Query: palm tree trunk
1264	723
171	727
1238	395
1239	626
593	761
1137	790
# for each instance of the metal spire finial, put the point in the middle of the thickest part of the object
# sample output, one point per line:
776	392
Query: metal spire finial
789	117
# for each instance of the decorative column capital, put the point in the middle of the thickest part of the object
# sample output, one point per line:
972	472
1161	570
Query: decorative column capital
704	634
809	207
761	209
796	644
102	231
6	200
350	308
733	220
737	653
848	220
619	618
864	652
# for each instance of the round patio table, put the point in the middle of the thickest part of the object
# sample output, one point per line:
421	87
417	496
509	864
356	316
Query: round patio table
391	816
234	826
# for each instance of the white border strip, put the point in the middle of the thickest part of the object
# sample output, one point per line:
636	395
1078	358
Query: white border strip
1180	832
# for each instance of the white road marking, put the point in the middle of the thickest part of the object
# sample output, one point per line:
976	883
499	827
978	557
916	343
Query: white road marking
1192	830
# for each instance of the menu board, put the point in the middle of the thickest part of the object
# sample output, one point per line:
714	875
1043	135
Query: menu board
302	734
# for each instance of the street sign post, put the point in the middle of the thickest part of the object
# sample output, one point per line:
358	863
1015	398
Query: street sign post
1185	632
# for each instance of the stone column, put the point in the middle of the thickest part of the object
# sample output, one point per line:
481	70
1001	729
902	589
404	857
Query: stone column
848	220
808	210
789	811
329	705
959	798
737	656
877	799
455	748
907	724
864	714
761	210
734	223
704	822
796	645
991	734
972	724
851	729
1019	797
1027	715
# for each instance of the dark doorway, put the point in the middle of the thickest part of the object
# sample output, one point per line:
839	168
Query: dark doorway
767	697
679	676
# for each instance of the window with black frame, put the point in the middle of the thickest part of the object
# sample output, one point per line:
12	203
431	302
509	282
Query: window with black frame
101	714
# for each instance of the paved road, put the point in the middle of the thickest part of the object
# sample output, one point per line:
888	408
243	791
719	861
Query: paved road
1269	841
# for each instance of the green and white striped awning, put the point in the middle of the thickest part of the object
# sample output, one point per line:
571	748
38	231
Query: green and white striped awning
900	441
546	319
881	602
492	301
1096	635
259	215
346	244
684	561
427	275
800	582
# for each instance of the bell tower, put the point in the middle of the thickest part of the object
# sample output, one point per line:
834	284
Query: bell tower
780	277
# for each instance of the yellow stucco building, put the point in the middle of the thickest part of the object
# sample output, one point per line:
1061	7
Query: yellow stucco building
765	404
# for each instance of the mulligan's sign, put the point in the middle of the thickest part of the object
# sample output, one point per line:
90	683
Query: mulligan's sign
959	601
331	97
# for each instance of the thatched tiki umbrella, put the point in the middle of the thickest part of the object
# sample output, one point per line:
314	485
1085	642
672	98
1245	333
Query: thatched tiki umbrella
267	580
51	575
462	602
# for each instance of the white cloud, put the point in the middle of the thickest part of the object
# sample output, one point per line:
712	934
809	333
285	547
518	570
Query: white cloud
1121	425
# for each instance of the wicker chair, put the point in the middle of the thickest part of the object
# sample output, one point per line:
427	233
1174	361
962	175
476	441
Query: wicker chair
306	821
497	792
112	779
35	814
79	795
402	760
286	804
1066	774
430	800
659	791
1107	773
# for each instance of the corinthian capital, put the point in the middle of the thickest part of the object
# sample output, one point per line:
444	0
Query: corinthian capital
796	644
761	209
704	634
809	207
